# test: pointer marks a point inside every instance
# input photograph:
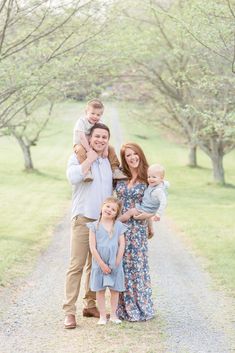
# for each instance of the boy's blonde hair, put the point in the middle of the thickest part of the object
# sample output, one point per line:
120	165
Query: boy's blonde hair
95	103
158	168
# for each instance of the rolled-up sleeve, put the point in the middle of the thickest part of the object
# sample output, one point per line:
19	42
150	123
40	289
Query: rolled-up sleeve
74	171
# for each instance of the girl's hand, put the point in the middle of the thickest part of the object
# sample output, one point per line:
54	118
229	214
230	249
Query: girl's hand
142	216
105	269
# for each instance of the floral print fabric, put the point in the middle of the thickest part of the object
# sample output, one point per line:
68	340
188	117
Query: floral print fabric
135	304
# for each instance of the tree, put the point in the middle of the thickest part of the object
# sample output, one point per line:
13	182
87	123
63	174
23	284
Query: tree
38	43
186	79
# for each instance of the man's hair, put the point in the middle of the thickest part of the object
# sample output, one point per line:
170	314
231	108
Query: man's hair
95	103
99	126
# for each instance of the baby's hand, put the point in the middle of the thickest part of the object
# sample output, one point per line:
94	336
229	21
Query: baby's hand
105	269
156	218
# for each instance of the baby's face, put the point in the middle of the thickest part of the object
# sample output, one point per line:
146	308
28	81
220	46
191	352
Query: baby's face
154	177
93	115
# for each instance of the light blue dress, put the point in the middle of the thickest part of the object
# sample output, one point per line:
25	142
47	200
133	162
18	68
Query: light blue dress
107	248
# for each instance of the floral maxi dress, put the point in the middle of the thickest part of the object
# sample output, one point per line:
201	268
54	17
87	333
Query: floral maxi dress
135	304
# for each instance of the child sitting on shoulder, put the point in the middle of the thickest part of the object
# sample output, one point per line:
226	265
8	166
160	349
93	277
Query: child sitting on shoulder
155	196
93	113
107	245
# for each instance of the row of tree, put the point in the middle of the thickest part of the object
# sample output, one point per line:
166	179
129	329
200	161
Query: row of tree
181	59
44	48
176	55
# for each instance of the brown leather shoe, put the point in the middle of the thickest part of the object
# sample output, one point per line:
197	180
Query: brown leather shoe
70	321
91	312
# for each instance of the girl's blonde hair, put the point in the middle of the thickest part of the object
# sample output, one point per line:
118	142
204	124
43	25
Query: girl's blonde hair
111	199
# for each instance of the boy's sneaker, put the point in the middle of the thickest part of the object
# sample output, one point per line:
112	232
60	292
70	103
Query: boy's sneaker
119	175
88	177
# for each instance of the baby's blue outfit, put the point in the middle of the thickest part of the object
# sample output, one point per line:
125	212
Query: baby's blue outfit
154	199
107	248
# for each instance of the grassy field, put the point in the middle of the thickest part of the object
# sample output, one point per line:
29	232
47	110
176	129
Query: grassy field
32	203
202	211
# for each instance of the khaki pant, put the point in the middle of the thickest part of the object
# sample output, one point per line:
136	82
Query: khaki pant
113	159
80	253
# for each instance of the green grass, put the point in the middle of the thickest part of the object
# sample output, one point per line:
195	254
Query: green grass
203	211
32	203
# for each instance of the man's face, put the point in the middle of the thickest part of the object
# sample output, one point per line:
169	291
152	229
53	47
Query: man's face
99	140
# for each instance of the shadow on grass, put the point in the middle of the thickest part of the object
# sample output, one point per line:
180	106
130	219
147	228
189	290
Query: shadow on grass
141	137
197	167
17	239
221	186
44	175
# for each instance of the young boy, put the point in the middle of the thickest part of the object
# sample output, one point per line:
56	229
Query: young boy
155	196
93	113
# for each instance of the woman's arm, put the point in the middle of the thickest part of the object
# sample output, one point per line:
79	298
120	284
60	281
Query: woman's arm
127	215
95	254
143	215
121	249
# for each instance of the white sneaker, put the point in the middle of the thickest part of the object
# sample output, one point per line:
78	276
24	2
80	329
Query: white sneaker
102	321
115	321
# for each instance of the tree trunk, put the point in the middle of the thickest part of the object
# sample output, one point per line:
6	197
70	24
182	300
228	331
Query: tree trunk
193	157
218	169
28	163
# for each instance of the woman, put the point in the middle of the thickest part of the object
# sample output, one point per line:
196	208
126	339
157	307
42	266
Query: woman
135	304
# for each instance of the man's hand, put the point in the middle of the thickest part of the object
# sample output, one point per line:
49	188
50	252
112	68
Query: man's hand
91	156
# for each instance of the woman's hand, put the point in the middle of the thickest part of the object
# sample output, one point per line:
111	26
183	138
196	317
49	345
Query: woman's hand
105	269
142	216
126	216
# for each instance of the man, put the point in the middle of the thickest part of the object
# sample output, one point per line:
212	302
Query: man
86	202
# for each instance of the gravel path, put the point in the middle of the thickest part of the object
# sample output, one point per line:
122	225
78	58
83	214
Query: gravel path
196	318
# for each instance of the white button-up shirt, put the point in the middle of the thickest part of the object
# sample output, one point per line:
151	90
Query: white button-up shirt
87	198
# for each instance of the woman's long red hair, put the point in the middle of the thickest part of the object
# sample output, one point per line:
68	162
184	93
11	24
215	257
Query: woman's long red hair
143	165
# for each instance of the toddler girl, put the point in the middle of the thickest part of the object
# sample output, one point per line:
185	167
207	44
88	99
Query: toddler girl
107	246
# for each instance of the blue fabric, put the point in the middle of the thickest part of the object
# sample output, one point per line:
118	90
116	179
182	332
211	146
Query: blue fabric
107	248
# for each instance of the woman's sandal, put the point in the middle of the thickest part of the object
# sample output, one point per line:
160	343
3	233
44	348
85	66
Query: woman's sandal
115	321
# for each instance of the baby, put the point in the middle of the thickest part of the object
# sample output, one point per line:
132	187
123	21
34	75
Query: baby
155	196
93	113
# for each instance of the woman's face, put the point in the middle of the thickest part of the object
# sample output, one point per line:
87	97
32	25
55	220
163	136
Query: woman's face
132	158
